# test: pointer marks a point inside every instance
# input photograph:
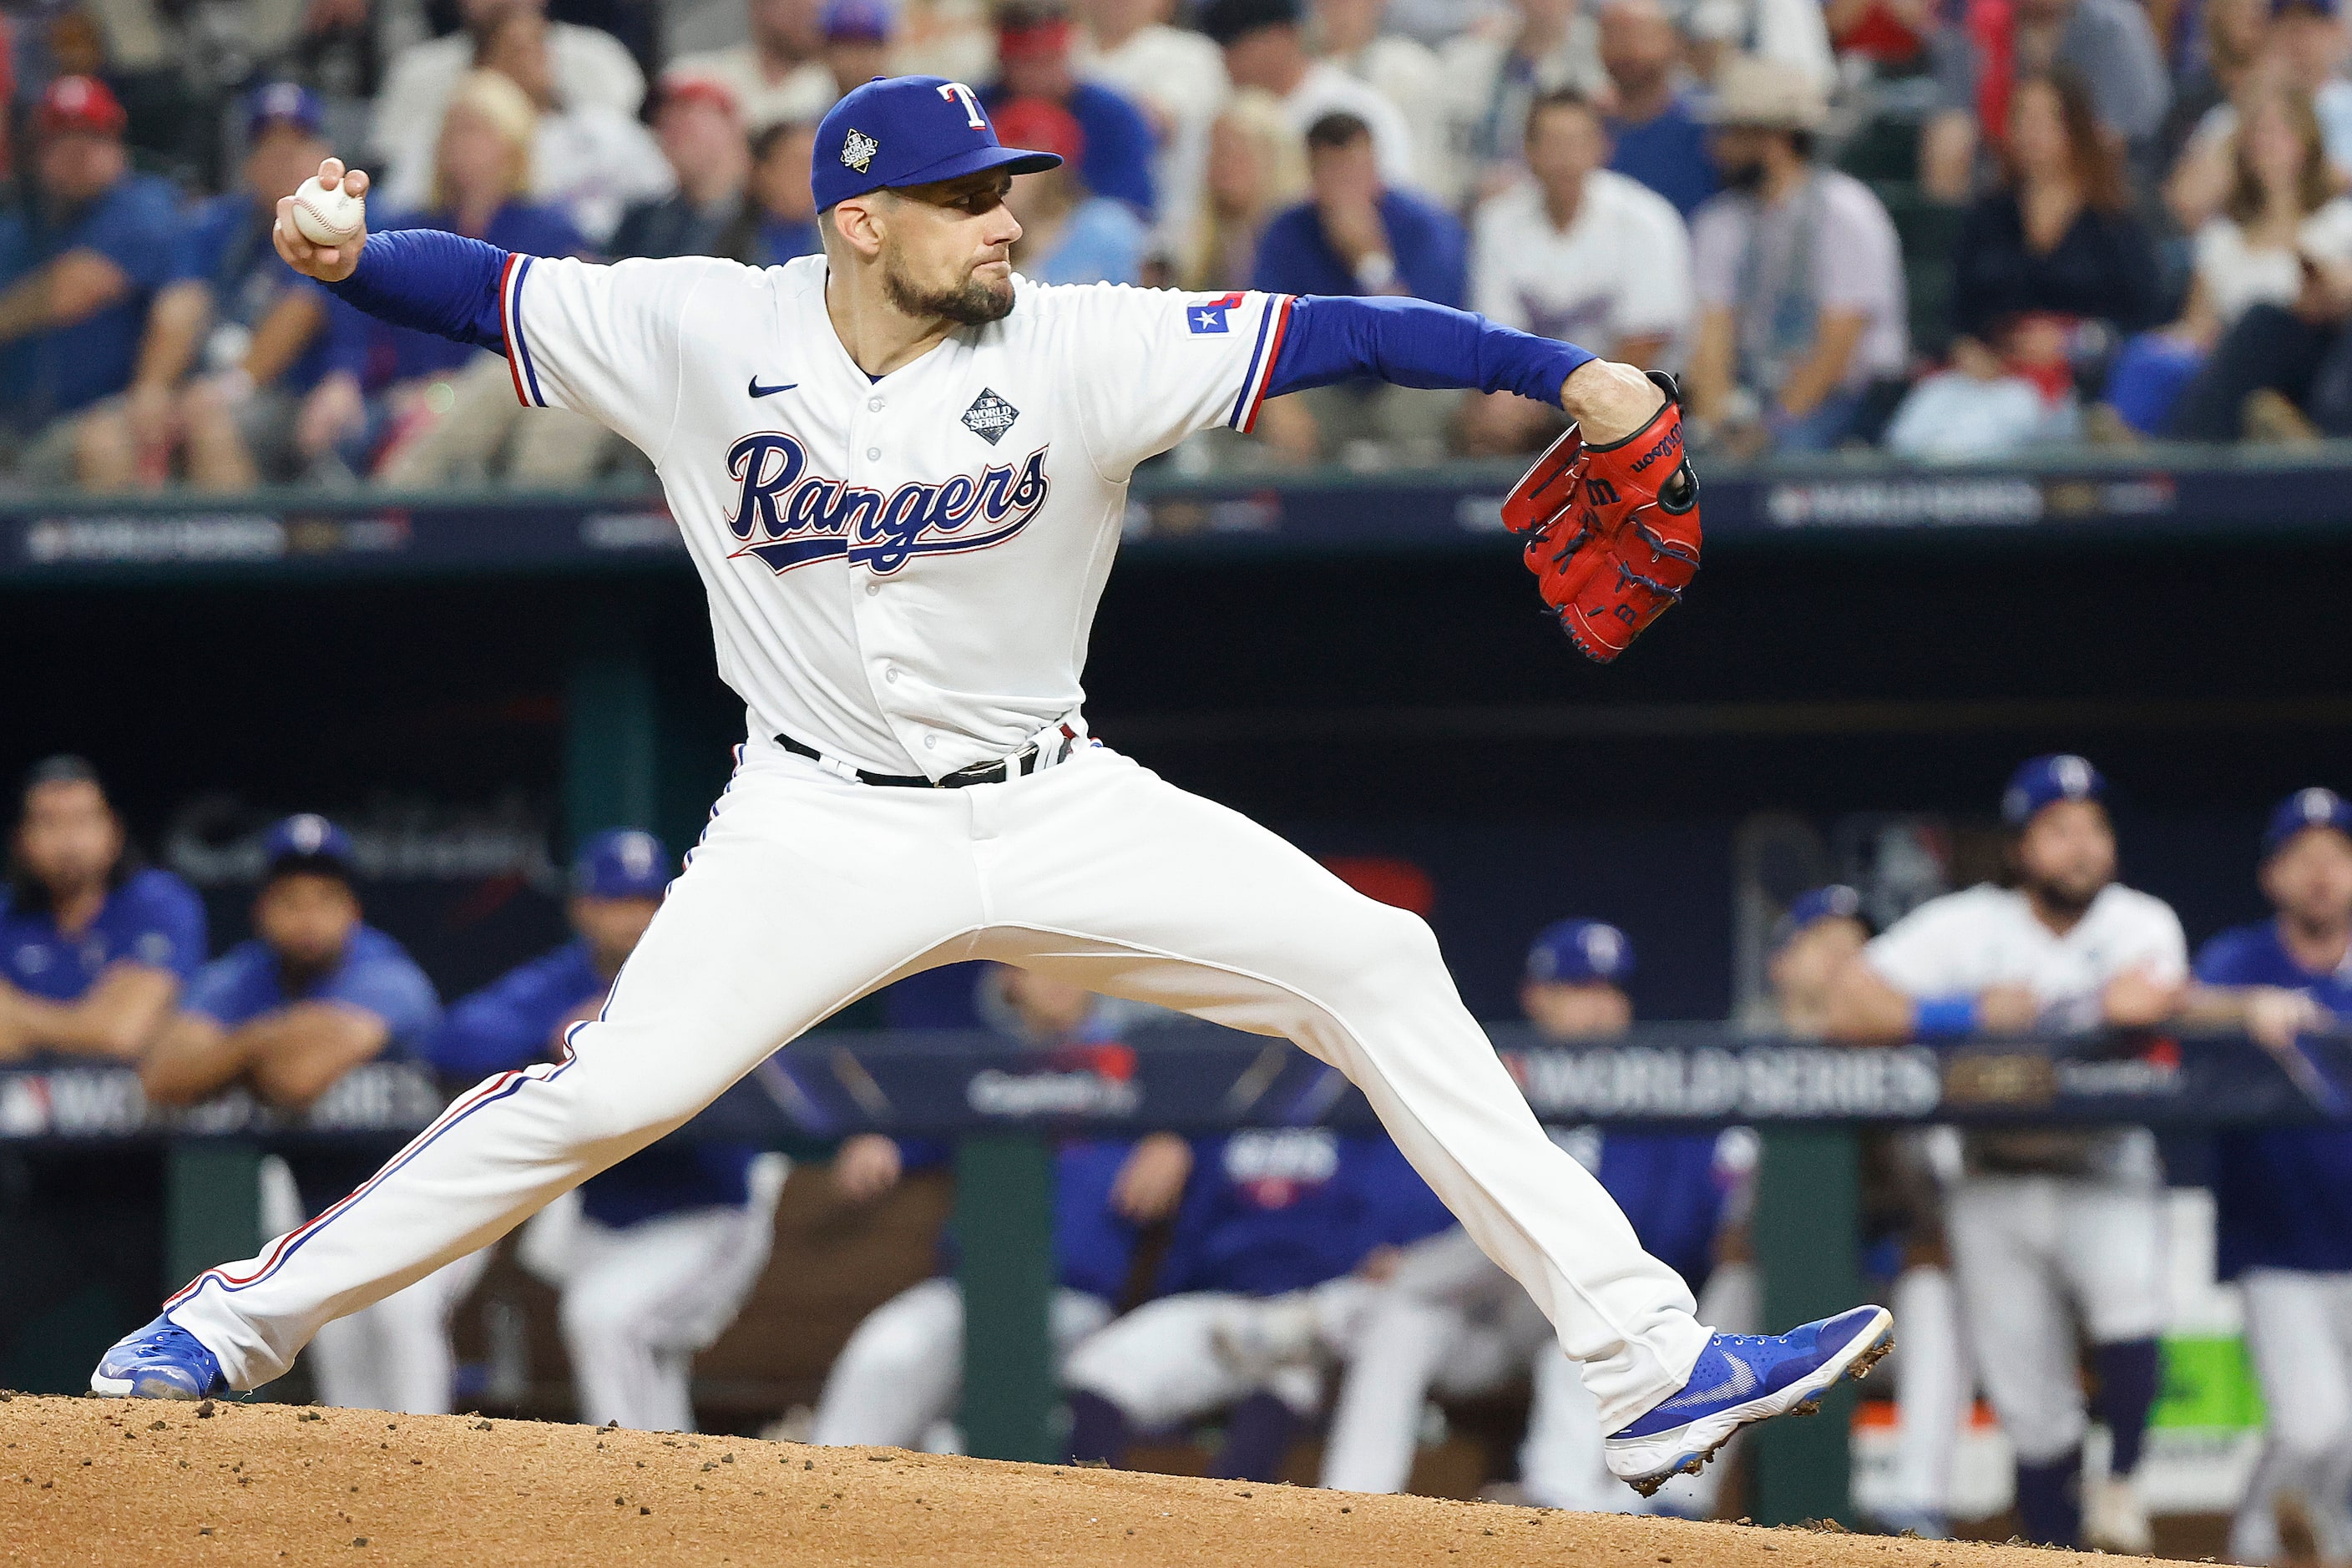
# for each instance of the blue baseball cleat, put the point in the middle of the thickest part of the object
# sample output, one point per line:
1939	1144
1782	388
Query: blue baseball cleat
1741	1379
162	1361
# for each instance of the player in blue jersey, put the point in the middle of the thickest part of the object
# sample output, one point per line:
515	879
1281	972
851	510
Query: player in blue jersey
898	1379
314	992
2285	1194
1268	1213
655	1256
94	946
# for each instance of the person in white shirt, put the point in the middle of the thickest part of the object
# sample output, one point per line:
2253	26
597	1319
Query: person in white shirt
588	66
1577	254
588	158
1492	77
780	74
1265	46
1178	78
1350	35
2048	1226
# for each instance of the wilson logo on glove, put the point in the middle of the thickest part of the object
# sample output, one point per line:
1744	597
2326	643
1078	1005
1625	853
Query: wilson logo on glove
1611	546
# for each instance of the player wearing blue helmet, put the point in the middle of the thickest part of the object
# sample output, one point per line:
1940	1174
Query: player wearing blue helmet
2047	1225
2284	1195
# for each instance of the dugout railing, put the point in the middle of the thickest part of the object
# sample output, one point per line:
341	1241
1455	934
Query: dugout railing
1003	1107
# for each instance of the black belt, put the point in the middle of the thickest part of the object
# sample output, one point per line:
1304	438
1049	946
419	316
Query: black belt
1020	765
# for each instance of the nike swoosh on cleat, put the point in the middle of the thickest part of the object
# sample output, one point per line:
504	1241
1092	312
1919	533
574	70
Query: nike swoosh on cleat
1737	1383
758	390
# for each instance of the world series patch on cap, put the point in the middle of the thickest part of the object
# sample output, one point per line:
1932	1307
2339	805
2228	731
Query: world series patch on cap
899	131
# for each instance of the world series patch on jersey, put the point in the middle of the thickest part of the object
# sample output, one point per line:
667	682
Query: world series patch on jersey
902	570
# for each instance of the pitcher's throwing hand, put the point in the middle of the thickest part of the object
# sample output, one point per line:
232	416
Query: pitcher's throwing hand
326	263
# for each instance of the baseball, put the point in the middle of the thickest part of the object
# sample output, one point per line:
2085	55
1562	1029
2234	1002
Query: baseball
328	214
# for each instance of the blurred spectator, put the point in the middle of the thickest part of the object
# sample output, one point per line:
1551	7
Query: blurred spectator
783	208
94	945
1580	255
1492	76
1655	133
701	130
655	1256
2283	207
857	42
780	73
1178	78
314	993
586	67
587	158
445	411
1267	48
1067	236
1257	166
1799	273
2108	43
2306	48
1790	33
1348	33
2059	237
267	342
2232	40
85	371
1354	236
2272	294
1034	43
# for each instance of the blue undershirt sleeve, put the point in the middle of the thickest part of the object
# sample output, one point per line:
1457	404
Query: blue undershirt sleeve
433	282
1412	343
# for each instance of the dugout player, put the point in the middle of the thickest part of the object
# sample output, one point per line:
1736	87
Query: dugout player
901	1376
314	992
873	453
94	945
2047	1227
1814	942
2284	1195
1268	1212
94	949
658	1253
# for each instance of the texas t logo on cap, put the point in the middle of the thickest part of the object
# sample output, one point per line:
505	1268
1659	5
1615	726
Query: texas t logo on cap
902	131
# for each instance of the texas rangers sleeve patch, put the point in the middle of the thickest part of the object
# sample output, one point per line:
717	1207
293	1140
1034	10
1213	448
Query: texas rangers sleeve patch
1209	315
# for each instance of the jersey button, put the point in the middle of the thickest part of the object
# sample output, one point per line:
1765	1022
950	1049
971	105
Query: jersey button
872	588
875	404
873	454
891	676
930	742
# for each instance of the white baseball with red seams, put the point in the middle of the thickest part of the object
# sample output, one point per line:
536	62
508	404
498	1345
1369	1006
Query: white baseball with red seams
902	572
328	214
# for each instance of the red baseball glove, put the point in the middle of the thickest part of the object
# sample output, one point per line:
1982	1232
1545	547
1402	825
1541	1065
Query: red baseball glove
1613	532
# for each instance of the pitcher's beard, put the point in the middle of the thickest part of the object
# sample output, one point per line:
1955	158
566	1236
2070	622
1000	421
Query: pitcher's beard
970	303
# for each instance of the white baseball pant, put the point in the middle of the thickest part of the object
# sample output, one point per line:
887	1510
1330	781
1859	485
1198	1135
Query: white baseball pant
2029	1253
1160	1364
810	890
2299	1333
393	1355
902	1374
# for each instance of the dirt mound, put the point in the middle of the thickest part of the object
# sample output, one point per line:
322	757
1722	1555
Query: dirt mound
89	1480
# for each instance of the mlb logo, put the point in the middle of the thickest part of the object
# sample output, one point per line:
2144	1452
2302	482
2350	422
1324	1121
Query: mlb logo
1209	315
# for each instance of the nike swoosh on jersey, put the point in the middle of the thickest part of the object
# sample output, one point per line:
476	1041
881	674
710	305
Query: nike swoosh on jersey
758	390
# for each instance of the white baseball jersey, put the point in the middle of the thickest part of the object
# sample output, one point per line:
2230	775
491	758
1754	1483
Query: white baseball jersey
1963	943
903	571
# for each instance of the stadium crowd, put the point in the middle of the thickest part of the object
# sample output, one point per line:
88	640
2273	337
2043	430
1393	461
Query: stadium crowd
1953	227
1269	1282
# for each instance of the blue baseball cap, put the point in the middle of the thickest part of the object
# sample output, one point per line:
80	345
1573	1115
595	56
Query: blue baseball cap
622	863
308	842
283	103
1580	952
2045	781
859	21
898	130
2305	808
1809	909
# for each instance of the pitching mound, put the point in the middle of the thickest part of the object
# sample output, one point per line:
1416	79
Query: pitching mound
110	1481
